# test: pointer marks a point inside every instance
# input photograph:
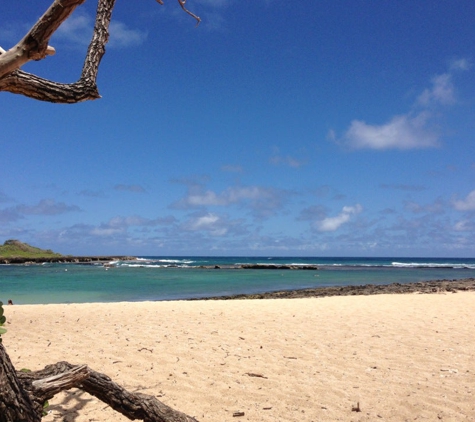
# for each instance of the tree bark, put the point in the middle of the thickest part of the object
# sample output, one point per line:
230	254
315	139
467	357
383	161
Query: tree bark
23	83
22	394
15	403
34	46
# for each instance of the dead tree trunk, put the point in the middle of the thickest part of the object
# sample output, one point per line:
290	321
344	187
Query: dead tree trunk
15	403
22	394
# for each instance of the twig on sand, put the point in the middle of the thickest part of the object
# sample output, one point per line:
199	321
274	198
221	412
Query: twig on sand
252	374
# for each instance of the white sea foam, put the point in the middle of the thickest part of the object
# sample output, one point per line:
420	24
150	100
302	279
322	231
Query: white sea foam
431	265
299	264
176	261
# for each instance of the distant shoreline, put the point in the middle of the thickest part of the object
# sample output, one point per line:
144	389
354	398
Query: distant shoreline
108	259
65	259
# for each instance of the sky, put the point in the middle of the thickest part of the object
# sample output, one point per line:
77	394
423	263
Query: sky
274	128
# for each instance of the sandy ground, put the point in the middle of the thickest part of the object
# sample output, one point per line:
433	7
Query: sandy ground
401	357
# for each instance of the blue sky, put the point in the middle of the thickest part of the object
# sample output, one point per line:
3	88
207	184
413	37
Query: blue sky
315	128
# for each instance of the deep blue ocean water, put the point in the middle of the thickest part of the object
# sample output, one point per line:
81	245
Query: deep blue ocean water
172	278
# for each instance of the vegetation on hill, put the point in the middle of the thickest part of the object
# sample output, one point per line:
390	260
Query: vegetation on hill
14	248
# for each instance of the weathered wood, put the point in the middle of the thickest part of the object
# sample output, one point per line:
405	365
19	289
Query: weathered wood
37	88
50	386
132	405
15	403
34	46
22	394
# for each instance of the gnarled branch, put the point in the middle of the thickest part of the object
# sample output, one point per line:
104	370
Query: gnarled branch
48	387
22	394
34	46
29	85
132	405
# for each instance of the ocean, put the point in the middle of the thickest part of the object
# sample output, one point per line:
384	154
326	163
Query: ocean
175	278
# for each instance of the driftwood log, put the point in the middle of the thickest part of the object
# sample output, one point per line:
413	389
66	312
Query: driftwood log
23	394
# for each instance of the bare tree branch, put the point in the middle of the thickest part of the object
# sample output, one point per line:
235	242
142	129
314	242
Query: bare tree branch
132	405
182	4
20	82
34	46
48	387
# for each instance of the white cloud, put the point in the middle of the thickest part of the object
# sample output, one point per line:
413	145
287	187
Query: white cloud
47	207
286	161
278	159
436	207
460	64
106	231
205	199
120	225
463	226
78	29
406	131
121	36
331	224
442	91
204	221
210	222
402	132
263	201
467	204
135	220
243	193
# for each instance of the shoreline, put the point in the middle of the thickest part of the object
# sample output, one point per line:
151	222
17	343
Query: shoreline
422	287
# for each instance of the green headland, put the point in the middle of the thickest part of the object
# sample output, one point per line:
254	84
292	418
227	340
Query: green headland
16	249
16	252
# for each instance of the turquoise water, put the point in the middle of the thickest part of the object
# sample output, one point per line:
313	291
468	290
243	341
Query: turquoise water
172	278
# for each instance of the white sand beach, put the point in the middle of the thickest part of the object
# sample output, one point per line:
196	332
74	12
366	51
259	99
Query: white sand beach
401	357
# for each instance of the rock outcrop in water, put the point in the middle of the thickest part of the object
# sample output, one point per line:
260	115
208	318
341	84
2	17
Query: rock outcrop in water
66	259
435	286
259	267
